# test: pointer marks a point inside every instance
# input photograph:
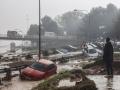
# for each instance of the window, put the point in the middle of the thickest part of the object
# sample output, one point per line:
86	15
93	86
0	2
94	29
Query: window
92	51
51	66
38	66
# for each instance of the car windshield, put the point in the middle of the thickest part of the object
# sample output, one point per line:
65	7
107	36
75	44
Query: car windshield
38	66
92	51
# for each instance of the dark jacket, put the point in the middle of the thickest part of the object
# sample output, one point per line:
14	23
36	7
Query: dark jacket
108	52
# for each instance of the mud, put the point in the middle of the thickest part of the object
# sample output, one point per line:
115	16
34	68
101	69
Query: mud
17	84
103	83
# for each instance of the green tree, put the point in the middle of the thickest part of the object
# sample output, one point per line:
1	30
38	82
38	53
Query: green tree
33	30
70	21
49	25
116	29
99	17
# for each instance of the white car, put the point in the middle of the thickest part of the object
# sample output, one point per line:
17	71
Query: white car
100	52
91	52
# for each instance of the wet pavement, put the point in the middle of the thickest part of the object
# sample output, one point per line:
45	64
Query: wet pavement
103	83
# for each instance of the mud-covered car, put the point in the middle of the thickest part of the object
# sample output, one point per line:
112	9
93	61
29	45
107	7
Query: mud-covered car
39	70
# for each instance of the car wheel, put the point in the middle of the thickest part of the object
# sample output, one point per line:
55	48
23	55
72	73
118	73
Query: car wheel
21	77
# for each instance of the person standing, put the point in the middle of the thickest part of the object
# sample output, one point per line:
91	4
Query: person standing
108	57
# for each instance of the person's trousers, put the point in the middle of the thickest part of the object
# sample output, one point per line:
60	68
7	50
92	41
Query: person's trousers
109	68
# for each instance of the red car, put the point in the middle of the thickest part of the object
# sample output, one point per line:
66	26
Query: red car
39	70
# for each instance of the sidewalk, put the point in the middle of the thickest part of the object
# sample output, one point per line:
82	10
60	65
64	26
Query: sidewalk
103	83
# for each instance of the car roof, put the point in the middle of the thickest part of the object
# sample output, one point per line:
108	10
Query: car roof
47	62
90	47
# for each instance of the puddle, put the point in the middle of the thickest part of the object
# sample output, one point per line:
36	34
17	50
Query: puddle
66	83
103	83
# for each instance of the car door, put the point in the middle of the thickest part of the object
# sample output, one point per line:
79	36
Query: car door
51	69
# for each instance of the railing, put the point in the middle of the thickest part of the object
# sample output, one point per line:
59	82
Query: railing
3	35
36	37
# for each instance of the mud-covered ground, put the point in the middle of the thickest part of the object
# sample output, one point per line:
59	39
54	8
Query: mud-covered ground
100	69
96	72
17	84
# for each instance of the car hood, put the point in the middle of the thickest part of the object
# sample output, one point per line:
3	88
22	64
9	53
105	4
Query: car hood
33	72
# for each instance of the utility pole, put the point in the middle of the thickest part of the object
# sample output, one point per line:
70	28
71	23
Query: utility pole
39	31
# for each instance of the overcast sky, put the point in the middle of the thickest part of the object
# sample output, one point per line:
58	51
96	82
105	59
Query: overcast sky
19	14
